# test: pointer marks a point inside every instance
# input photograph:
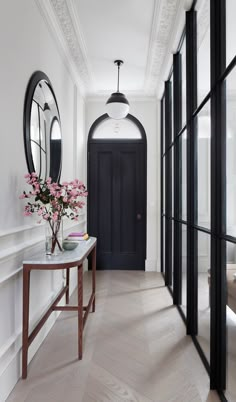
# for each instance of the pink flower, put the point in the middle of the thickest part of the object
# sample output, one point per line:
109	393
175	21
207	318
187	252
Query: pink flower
55	216
22	196
49	180
73	193
27	213
26	176
46	217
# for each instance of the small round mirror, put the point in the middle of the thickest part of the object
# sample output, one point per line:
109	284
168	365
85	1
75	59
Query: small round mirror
42	128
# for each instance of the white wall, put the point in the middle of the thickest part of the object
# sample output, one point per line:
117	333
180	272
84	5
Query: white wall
26	46
146	112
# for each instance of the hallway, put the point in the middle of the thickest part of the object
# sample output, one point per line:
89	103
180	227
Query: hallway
135	349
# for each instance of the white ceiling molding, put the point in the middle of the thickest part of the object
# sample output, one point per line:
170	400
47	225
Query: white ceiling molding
203	8
176	30
164	18
167	23
76	24
73	38
51	21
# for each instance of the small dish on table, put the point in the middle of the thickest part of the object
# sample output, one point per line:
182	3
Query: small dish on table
69	245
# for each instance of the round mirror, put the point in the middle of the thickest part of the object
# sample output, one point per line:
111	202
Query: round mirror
42	128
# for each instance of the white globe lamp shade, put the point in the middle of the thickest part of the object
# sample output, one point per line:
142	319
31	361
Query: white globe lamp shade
117	106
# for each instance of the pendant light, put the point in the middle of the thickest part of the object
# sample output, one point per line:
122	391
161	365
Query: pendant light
117	106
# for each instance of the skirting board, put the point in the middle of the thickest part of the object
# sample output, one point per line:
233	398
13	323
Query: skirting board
151	266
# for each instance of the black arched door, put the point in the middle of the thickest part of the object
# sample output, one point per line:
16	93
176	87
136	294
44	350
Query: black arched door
117	194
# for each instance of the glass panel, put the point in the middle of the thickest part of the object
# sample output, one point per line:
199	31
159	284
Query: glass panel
172	107
184	269
230	30
183	140
117	129
183	53
230	152
204	167
204	311
172	184
164	184
164	246
203	46
163	125
231	321
172	257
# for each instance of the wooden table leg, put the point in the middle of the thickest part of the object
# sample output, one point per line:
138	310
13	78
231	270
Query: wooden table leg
67	284
26	291
80	311
94	276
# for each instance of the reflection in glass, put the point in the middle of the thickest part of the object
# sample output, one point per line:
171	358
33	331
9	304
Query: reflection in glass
204	166
230	30
117	129
164	246
183	140
231	321
164	184
45	132
203	48
55	148
172	107
204	311
230	152
172	256
184	269
183	54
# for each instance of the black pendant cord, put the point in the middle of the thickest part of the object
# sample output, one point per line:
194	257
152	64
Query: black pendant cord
118	81
118	63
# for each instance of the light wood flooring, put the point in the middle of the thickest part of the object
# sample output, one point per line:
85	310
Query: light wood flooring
135	349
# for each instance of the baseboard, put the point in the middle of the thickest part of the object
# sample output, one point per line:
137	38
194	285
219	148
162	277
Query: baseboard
151	266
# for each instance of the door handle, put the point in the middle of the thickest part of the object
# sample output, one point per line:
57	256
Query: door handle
139	217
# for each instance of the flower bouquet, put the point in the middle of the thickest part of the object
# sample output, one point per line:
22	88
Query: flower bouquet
53	201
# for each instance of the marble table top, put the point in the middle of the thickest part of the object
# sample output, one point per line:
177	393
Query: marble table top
71	256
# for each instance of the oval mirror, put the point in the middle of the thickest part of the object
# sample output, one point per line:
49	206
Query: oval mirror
42	128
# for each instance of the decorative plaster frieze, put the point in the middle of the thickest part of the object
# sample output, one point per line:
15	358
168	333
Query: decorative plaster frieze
76	46
166	13
164	17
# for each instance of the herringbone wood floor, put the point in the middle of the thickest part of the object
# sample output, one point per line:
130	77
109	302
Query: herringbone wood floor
135	349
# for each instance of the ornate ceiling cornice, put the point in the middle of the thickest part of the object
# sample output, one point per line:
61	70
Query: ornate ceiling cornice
164	17
73	38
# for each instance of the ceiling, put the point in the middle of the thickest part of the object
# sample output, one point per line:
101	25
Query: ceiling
96	32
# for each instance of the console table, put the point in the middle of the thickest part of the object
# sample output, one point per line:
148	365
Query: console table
65	260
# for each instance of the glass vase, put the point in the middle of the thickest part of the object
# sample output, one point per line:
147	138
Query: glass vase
54	237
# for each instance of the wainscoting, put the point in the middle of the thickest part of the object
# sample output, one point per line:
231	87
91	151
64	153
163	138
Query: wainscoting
16	245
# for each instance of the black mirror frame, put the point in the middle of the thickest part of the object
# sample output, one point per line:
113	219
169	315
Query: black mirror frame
33	82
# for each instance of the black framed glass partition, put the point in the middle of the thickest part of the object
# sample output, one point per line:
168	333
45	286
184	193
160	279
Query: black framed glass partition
198	167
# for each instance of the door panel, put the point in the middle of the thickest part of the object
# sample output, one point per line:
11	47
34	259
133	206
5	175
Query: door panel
117	203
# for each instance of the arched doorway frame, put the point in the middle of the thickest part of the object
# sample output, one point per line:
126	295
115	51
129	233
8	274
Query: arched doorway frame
142	140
